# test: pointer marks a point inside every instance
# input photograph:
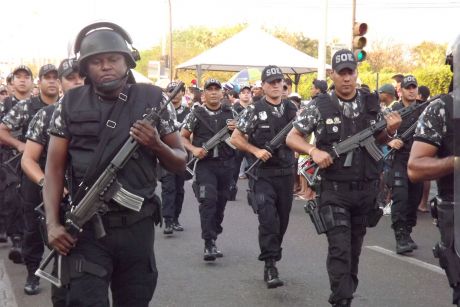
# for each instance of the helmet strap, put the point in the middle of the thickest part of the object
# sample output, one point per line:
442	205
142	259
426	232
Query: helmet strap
110	86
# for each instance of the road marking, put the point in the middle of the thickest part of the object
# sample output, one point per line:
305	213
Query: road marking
422	264
7	298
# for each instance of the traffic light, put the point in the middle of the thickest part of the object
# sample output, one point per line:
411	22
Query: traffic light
359	41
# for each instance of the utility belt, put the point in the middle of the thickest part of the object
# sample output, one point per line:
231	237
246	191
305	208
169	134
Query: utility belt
327	217
115	215
346	186
274	172
225	162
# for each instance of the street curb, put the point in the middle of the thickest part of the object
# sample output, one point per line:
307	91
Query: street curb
7	298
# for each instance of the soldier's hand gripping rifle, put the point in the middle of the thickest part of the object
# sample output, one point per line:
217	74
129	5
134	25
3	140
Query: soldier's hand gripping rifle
365	138
403	137
271	146
221	136
106	187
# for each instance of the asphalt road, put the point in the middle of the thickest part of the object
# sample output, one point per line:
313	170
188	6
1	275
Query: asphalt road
236	279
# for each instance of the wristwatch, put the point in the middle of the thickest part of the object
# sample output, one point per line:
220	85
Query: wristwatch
41	182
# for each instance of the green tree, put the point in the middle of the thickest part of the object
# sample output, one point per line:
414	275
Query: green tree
428	54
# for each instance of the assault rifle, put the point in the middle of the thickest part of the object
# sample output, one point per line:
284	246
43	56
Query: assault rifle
104	188
403	137
365	138
271	146
221	136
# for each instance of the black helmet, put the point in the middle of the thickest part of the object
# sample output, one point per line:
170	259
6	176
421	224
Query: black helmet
104	37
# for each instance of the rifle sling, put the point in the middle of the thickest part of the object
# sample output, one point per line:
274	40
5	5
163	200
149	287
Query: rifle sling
92	171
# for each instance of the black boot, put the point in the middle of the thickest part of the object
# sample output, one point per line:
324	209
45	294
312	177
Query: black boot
15	254
402	242
411	242
32	285
233	191
168	226
3	236
346	302
216	251
209	254
177	226
271	274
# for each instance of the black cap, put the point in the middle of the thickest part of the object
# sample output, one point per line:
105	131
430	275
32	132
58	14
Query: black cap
47	68
408	80
67	67
245	86
23	68
342	59
271	73
321	85
210	82
171	86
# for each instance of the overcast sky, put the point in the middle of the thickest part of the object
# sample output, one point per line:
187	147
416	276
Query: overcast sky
44	28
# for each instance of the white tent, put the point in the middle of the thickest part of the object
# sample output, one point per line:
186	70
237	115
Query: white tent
252	47
140	78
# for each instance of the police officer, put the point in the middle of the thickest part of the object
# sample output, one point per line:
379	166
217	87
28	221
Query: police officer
405	194
124	258
172	185
432	157
12	133
212	179
238	107
32	163
20	83
347	194
19	118
271	193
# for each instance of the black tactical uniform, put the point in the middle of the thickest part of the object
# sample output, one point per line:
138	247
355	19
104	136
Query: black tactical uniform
9	179
436	127
124	258
406	195
347	194
212	179
239	155
33	249
18	119
271	194
172	187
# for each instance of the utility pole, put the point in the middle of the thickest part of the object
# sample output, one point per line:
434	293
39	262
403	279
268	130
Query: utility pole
353	20
170	44
322	45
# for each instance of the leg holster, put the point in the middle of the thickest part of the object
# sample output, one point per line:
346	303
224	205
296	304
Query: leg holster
333	216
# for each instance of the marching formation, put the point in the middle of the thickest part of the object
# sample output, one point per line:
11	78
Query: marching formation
80	162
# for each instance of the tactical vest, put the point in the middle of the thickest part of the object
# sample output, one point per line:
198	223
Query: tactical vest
86	120
238	108
403	153
446	183
267	127
181	115
338	128
35	104
202	133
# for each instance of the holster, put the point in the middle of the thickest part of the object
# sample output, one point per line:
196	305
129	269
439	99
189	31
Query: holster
373	217
312	209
